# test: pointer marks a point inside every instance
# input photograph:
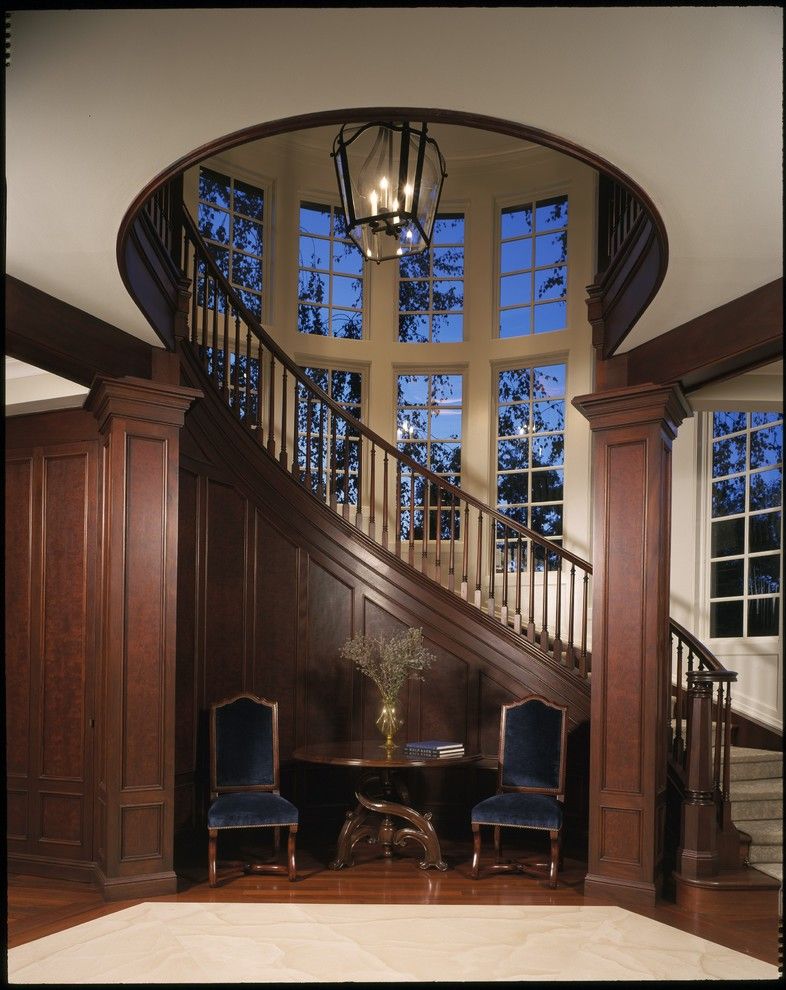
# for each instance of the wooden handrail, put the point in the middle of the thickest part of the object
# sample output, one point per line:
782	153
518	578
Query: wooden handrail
335	456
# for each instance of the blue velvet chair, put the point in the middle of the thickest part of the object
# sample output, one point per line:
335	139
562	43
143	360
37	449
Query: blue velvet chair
530	781
244	786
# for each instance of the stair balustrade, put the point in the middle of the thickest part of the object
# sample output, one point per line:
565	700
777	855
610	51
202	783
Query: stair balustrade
519	578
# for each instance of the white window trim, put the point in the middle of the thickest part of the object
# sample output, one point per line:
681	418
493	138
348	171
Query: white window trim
503	202
334	201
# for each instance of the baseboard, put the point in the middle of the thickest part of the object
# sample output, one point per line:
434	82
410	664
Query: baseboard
134	888
632	892
51	868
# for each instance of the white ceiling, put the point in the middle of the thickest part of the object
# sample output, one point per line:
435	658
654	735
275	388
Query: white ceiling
685	100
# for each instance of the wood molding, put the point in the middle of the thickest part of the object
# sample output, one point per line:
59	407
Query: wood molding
66	341
729	340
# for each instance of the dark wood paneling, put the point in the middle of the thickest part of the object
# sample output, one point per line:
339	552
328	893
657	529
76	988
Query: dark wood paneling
18	605
185	671
143	667
64	614
328	679
51	591
60	338
225	615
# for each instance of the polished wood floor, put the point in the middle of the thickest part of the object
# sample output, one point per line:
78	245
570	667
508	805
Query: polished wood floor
38	907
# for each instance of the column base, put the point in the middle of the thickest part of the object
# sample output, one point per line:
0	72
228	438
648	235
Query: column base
632	892
134	888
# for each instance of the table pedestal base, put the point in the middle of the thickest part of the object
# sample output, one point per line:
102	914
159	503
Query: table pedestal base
372	822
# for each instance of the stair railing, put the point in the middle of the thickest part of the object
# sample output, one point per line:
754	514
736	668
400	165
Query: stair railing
701	754
516	576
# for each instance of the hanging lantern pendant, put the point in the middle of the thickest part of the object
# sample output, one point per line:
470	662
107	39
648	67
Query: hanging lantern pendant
390	200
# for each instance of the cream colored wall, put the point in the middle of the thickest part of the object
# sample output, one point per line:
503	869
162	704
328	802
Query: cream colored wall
757	660
292	174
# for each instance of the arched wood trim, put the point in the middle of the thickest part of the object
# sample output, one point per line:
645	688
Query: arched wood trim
645	293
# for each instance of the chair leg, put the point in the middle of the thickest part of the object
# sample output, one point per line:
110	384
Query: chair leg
497	845
556	836
475	851
212	841
291	852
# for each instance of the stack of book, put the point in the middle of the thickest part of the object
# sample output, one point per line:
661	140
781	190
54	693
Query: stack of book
433	749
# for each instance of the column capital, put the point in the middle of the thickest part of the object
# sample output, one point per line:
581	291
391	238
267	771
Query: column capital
139	399
635	405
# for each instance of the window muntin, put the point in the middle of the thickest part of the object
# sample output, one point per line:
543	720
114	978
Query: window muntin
533	267
745	508
330	275
428	429
231	219
530	447
324	442
431	287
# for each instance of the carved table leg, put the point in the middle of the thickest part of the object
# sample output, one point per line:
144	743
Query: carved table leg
353	830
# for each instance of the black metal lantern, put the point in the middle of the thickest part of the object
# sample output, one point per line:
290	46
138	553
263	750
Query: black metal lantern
390	179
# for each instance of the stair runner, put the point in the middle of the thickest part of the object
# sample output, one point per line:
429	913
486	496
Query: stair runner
756	794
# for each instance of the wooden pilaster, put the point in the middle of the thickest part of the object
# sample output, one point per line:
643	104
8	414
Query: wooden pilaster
633	429
139	421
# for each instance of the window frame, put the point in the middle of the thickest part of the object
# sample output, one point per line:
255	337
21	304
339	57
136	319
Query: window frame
705	442
460	211
267	188
323	200
501	204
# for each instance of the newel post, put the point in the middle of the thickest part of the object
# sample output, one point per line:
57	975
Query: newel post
697	855
140	422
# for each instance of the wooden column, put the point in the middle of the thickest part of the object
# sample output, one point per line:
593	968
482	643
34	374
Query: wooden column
139	421
697	855
633	429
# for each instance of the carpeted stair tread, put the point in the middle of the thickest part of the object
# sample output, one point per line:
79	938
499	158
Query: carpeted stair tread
745	754
764	831
769	789
771	869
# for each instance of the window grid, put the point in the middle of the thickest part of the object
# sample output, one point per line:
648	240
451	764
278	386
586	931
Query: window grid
746	536
330	275
428	429
530	451
328	462
230	219
431	287
533	272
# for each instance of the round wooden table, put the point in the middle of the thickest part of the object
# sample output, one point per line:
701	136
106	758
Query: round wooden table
382	796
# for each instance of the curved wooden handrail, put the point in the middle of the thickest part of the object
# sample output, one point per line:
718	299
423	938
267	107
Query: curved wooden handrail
192	232
707	659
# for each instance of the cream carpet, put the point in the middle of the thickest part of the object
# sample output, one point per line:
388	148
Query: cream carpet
285	943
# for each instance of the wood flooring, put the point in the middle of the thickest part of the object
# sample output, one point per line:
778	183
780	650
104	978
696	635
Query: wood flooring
38	907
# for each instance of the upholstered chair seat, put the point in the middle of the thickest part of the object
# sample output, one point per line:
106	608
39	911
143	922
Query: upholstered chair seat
244	787
537	810
530	781
251	811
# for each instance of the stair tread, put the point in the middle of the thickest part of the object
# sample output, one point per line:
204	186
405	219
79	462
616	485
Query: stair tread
744	754
766	788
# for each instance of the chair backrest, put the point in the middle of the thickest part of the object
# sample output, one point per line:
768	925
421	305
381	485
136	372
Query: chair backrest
243	744
532	743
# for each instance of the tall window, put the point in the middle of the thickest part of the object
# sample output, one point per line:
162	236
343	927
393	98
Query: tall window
231	216
533	272
431	287
327	451
330	275
531	447
428	429
746	536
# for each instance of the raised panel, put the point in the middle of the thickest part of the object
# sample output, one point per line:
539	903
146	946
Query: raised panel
143	669
185	662
276	608
16	814
225	592
66	511
329	679
493	696
141	831
626	522
621	836
61	818
18	578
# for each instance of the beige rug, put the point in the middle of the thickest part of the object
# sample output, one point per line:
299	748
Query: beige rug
375	943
